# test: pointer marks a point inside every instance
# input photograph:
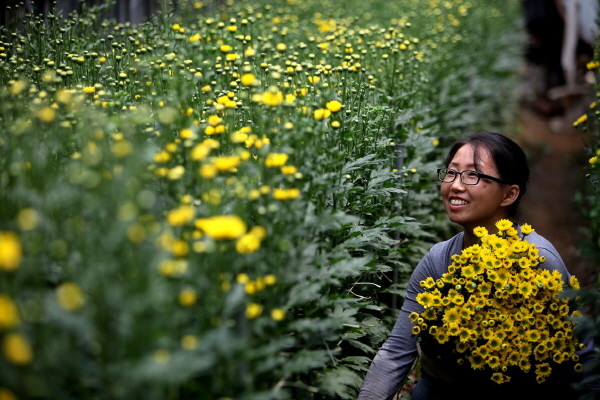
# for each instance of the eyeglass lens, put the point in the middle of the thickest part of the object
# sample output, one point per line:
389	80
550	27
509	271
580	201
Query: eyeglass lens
467	177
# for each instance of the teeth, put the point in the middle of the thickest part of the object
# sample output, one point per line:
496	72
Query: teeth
458	202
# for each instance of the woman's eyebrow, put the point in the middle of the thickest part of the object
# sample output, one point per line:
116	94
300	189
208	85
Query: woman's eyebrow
469	166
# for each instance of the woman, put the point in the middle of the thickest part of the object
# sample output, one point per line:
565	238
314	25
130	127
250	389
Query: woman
484	180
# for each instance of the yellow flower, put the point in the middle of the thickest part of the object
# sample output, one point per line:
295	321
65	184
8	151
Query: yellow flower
189	342
593	160
214	120
592	65
276	159
186	133
232	56
480	231
162	157
188	297
455	297
526	229
512	232
16	349
181	215
574	282
277	314
208	171
225	48
248	243
253	310
334	106
286	194
288	170
199	152
121	148
321	113
289	99
451	316
248	79
176	172
161	356
272	99
226	163
525	289
17	87
222	226
580	120
89	89
9	316
64	96
46	114
10	251
428	283
136	233
239	137
499	377
251	287
503	224
270	279
425	299
28	219
179	248
70	296
242	278
172	267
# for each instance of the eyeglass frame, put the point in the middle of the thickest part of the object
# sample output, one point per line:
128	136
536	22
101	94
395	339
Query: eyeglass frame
479	176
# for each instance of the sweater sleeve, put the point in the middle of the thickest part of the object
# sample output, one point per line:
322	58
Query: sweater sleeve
395	358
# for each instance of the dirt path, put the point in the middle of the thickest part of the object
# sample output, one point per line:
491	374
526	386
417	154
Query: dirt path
556	162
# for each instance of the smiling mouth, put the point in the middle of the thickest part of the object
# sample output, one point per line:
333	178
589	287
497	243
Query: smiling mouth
458	202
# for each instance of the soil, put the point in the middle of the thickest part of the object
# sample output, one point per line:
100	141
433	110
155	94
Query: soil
557	158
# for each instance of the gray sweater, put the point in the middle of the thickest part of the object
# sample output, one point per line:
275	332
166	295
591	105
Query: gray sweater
395	359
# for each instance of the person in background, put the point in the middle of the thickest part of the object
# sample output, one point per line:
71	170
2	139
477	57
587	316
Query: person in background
561	36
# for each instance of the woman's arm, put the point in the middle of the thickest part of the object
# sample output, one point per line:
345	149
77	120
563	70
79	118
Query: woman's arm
392	363
395	358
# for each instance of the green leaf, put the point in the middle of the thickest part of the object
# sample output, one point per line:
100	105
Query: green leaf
341	383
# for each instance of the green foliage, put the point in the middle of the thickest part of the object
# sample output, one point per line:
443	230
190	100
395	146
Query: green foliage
109	186
588	201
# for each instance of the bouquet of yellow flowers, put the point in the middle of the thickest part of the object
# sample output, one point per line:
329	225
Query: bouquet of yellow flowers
497	311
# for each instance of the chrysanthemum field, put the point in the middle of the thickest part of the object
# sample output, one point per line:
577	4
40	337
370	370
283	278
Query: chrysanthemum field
224	202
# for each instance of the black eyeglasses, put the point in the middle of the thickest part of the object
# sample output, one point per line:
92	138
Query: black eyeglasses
468	177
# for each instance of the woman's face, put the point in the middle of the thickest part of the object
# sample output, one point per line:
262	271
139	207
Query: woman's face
476	205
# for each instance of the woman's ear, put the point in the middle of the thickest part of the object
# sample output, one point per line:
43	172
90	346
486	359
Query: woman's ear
511	194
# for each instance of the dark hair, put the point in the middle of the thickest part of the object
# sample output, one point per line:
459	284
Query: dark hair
508	156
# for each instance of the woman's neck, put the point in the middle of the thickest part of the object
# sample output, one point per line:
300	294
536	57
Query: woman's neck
469	239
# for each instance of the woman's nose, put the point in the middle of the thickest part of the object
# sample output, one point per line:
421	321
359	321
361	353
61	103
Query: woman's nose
457	183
